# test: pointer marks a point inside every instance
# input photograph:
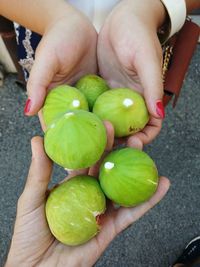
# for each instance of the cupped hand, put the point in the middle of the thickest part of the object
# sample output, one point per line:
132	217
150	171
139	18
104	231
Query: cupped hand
66	52
130	55
32	242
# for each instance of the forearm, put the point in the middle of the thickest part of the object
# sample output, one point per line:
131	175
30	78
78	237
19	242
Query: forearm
192	4
151	12
35	15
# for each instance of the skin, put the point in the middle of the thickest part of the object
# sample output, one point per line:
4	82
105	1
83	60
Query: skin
128	40
130	55
32	242
67	50
127	44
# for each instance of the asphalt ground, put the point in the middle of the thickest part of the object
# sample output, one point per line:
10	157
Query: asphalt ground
157	238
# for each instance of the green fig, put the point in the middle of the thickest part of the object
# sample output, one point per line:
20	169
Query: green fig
72	209
92	86
128	177
76	140
61	99
124	108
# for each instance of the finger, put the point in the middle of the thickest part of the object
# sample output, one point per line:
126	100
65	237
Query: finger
135	142
94	170
72	173
147	135
123	217
110	135
41	119
148	63
126	216
41	75
38	177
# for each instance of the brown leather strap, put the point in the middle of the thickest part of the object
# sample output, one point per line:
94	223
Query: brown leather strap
167	98
8	35
184	44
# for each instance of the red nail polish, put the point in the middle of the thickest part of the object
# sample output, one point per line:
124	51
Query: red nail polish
160	109
27	106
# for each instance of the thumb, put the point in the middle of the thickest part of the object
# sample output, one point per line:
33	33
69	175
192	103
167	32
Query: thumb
38	178
41	76
149	68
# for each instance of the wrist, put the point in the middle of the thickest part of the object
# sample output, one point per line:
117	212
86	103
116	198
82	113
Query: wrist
67	15
35	15
176	17
160	14
13	257
11	263
55	11
152	12
14	263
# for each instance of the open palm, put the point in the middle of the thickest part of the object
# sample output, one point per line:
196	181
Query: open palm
66	52
32	242
130	55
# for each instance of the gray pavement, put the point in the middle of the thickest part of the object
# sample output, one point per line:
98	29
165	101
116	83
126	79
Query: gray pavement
157	238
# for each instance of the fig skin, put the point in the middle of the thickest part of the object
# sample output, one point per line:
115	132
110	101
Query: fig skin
92	86
77	140
61	99
128	177
124	108
72	207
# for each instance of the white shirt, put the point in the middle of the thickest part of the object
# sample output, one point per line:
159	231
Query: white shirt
95	10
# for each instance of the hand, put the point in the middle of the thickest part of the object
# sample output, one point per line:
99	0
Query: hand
32	242
130	55
66	52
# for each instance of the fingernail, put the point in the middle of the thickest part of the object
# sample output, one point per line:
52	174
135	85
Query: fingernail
27	106
100	219
160	109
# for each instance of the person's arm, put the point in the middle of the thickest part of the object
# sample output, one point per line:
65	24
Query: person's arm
130	54
35	15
